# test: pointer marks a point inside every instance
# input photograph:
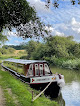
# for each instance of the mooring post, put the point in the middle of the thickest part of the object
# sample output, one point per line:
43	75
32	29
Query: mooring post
32	96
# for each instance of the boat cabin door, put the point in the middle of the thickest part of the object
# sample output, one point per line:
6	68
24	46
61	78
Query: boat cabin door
38	69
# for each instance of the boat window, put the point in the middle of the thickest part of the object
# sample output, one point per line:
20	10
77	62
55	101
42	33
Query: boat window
36	69
30	71
46	68
20	68
41	69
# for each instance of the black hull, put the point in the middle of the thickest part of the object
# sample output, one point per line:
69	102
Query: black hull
53	90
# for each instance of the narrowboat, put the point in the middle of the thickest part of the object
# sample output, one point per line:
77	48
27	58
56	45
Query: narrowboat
36	73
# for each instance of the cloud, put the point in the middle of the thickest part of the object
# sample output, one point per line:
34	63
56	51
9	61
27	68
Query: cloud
17	41
54	31
71	28
65	20
9	33
12	33
58	33
39	6
68	28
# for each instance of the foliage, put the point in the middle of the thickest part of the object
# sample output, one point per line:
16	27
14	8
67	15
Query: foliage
2	38
17	47
6	51
18	14
72	64
39	52
56	50
56	3
59	47
15	12
11	50
31	48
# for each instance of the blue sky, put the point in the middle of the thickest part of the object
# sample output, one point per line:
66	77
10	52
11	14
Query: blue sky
64	20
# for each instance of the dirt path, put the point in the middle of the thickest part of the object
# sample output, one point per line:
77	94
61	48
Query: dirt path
2	99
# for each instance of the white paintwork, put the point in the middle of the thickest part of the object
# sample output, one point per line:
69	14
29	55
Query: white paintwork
43	79
46	79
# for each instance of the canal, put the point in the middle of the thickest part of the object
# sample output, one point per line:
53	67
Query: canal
70	93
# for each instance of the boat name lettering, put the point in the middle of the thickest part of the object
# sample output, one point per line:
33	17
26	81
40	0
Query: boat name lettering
42	79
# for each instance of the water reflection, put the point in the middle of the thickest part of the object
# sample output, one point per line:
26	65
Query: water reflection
60	100
71	94
71	91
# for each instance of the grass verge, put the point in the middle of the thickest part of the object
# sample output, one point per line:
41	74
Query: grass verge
22	92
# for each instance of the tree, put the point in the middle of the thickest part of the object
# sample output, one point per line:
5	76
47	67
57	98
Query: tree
15	12
76	50
57	46
11	50
55	3
30	48
39	52
18	14
3	38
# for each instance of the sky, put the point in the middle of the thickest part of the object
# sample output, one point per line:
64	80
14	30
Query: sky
64	20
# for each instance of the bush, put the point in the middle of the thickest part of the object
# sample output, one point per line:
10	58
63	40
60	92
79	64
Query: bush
72	64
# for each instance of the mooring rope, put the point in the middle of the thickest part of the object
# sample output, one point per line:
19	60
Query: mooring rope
41	92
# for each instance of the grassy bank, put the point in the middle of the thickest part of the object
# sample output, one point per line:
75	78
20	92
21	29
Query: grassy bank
17	93
17	54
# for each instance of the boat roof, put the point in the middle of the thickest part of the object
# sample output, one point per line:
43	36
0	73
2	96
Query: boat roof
23	61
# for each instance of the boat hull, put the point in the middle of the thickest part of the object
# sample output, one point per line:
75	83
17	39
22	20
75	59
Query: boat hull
53	90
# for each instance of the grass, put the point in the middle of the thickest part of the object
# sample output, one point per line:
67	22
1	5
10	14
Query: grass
16	55
22	92
9	99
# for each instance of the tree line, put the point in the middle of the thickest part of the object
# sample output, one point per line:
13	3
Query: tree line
4	51
54	46
57	50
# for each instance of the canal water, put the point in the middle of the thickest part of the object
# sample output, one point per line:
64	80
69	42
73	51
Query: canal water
70	93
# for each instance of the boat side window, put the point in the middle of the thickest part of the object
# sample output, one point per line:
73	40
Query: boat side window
46	68
20	69
30	71
36	70
41	69
4	63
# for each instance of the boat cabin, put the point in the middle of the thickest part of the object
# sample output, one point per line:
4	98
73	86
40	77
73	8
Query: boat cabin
28	67
37	69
